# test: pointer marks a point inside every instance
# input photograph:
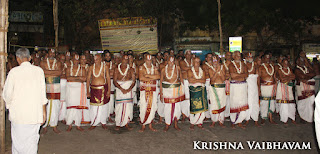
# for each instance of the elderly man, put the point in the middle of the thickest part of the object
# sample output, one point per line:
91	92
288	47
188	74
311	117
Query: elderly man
148	75
217	92
25	95
52	69
198	94
305	88
285	98
98	89
124	80
238	90
253	95
171	93
76	93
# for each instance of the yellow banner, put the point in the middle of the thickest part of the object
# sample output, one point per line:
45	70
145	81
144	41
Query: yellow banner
130	21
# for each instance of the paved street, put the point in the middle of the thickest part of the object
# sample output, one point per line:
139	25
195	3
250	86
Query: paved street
123	141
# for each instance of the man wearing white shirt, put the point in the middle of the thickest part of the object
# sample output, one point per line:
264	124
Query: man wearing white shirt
25	95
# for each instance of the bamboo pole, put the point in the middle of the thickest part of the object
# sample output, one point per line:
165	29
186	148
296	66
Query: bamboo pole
3	55
220	27
56	23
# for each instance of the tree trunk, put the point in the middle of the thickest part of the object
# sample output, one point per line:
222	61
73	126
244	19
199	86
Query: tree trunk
3	55
220	28
56	23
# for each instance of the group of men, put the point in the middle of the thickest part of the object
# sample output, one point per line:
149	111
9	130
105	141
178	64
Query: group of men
86	89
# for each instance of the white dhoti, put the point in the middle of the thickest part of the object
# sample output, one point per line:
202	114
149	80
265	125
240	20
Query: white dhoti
99	106
185	105
76	102
173	95
53	90
306	97
217	106
53	108
148	101
198	103
267	100
160	105
238	101
317	118
207	84
124	104
286	100
25	138
197	119
253	98
227	110
111	102
99	114
63	105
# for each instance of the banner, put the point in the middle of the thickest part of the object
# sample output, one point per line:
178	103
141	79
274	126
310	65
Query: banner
137	34
235	44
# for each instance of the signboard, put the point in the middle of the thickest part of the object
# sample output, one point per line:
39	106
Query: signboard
25	16
235	44
135	33
311	48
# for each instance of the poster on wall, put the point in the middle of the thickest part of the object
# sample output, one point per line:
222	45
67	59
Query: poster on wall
235	44
135	33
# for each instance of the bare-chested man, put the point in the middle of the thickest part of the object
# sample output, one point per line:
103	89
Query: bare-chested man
267	89
133	65
285	98
277	66
185	66
124	80
36	59
198	94
63	85
111	65
148	75
253	95
84	72
238	90
12	62
159	58
171	92
305	88
76	93
217	92
98	80
207	64
165	60
89	57
226	63
52	69
68	58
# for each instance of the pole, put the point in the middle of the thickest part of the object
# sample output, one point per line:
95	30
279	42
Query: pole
56	23
220	27
3	55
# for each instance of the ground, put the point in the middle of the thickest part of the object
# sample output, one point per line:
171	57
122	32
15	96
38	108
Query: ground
124	141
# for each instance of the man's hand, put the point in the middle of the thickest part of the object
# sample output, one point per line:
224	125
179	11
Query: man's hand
44	114
88	95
